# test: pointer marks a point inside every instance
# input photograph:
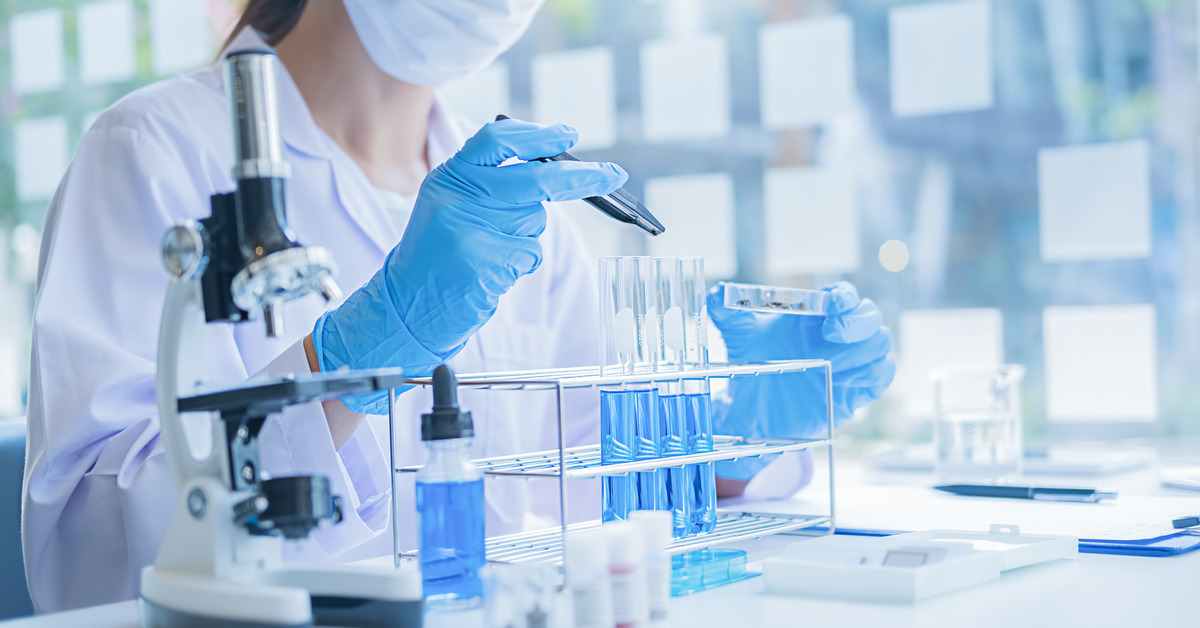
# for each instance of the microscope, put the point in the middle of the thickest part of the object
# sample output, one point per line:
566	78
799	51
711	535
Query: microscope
220	563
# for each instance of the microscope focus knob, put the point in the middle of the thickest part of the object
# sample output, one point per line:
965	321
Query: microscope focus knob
185	250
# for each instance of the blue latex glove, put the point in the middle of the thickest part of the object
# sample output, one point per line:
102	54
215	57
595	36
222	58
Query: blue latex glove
473	232
852	337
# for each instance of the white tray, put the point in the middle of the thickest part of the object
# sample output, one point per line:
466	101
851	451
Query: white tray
907	567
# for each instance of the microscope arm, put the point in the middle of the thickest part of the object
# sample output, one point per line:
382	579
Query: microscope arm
182	335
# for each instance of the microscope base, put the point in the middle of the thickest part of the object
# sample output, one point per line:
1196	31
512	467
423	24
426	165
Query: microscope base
171	600
177	600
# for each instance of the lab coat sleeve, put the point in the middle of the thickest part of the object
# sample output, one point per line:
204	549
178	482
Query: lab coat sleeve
298	442
98	491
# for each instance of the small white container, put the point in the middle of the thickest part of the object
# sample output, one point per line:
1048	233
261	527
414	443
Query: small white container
627	573
588	579
907	567
655	527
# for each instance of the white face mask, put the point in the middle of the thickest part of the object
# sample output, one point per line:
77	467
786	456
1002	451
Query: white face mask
433	42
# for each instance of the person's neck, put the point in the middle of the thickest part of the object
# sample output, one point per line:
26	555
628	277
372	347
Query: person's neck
382	123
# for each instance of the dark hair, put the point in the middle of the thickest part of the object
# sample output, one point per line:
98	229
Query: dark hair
273	18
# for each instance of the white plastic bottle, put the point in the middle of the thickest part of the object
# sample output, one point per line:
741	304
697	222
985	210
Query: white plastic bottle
655	528
627	572
588	580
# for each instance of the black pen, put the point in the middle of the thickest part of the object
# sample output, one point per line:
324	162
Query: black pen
620	205
1029	492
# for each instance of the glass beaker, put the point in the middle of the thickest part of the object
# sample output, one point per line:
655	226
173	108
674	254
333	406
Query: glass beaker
977	428
628	413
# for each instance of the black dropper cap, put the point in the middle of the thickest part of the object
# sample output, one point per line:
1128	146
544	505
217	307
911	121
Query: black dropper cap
446	420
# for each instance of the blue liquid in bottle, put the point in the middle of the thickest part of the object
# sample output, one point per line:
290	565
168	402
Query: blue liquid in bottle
701	478
651	493
452	541
673	442
616	446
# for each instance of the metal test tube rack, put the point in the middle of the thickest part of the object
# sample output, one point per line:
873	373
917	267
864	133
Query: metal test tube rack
565	463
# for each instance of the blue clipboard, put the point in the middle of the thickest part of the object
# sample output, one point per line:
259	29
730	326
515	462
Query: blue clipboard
1167	545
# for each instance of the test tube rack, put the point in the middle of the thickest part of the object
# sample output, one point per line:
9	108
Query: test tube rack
584	462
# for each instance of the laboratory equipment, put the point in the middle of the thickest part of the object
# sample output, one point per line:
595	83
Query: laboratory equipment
525	596
907	567
450	502
627	574
706	569
588	579
220	561
619	205
741	296
584	462
686	403
977	427
655	526
629	412
1091	495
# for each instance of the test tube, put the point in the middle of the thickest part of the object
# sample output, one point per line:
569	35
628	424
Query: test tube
685	405
628	412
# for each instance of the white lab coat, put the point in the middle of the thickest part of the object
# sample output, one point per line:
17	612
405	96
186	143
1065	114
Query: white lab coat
98	491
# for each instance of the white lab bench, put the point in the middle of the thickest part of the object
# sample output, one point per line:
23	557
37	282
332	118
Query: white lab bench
1096	591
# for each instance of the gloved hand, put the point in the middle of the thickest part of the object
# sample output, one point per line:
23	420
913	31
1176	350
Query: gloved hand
852	337
473	232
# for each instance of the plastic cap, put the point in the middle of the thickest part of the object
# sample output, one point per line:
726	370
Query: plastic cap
655	526
625	545
587	553
447	420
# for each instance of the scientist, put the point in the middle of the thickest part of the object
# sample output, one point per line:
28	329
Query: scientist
484	277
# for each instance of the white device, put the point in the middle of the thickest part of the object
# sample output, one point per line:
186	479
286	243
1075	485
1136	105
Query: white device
220	562
907	567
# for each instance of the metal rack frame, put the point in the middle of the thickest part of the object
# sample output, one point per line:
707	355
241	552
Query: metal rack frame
584	462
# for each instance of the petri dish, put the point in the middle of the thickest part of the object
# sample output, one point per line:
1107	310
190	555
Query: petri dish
743	296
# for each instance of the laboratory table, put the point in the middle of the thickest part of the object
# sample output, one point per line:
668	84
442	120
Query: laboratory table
1095	591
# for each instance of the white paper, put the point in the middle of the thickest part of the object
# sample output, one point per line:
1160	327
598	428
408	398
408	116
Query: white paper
40	146
941	57
1101	363
36	45
697	211
578	87
180	35
930	339
812	221
480	97
1095	202
890	506
807	74
107	42
685	89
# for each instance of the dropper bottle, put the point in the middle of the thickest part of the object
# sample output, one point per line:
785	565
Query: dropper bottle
450	502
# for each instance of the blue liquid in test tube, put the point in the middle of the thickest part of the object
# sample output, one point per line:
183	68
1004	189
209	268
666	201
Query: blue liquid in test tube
673	442
701	478
616	446
651	494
